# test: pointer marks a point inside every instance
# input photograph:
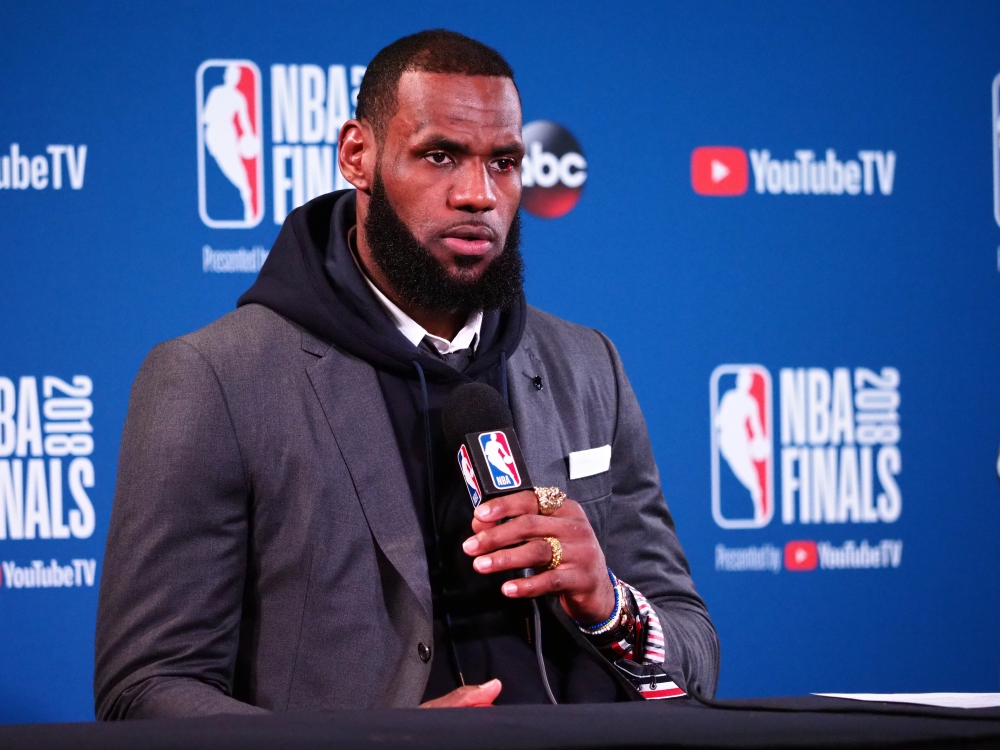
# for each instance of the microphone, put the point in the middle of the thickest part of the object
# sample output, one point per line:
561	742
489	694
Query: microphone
479	427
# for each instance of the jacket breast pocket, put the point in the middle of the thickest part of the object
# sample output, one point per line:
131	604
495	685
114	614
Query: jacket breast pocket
589	489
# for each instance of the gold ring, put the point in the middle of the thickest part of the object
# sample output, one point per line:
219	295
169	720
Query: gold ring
550	499
556	548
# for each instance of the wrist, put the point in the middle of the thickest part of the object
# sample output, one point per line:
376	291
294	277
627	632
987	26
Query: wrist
615	596
622	626
626	628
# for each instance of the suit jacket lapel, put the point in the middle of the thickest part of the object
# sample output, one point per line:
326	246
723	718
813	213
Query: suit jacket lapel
535	415
352	401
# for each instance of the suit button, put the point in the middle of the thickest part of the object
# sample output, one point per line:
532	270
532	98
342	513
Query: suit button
423	652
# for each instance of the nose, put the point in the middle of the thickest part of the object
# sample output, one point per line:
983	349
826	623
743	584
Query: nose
473	190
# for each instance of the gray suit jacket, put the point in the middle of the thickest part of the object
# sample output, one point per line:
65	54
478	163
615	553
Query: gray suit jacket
264	553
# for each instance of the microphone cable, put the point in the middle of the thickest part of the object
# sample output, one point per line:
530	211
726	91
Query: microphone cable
537	617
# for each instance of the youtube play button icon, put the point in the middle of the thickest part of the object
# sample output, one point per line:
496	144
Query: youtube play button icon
719	170
801	555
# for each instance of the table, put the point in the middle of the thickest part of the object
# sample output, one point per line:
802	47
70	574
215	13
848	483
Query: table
808	722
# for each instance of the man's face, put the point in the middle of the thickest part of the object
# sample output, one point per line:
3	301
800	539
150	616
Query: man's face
451	167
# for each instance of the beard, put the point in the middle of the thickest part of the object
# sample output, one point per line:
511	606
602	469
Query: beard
420	279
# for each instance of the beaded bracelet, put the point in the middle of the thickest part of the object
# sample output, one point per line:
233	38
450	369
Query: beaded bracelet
616	614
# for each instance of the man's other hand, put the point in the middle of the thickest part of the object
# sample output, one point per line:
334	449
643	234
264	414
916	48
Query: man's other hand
468	696
581	580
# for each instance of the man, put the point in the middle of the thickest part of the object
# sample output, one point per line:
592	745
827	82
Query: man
290	530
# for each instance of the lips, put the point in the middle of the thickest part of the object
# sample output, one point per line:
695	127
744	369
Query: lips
469	239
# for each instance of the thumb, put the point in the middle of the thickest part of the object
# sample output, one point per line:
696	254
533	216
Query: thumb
478	695
486	693
468	696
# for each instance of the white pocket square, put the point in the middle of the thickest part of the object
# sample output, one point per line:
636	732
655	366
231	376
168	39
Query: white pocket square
589	462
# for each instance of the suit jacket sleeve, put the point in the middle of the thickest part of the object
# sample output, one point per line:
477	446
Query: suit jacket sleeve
641	546
172	584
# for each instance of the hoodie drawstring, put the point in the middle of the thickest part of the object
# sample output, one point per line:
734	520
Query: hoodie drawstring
429	446
431	487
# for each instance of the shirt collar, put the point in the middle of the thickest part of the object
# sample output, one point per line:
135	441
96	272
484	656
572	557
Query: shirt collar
466	338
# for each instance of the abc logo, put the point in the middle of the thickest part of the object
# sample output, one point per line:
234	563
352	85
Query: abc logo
553	170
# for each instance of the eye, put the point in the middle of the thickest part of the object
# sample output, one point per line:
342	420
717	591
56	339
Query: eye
505	164
438	157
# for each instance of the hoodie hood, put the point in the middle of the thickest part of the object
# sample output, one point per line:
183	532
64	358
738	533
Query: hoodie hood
311	278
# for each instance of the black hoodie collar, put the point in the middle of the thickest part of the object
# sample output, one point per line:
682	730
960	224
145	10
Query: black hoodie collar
310	277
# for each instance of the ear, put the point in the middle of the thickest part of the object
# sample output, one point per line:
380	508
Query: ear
356	152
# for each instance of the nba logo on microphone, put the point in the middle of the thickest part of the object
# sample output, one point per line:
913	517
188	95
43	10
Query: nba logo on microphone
500	460
230	157
469	474
742	446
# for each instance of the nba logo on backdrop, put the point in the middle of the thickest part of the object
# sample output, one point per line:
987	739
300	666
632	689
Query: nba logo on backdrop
742	460
230	160
503	467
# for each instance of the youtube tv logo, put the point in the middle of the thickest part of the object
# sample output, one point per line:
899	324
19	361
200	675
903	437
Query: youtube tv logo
801	555
719	170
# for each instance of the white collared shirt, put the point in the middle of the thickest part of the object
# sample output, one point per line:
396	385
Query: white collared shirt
467	338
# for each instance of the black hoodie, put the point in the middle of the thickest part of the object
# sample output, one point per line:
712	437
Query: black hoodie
311	278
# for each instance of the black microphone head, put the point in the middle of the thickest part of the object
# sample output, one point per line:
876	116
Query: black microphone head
473	407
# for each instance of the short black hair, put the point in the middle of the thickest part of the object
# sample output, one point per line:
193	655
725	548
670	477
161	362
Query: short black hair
431	51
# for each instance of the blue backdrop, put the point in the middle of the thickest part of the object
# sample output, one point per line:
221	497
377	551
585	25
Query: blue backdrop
848	439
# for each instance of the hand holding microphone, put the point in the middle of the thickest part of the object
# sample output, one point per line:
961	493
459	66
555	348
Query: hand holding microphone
479	426
581	577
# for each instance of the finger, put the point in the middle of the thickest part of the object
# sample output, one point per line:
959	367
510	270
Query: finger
570	509
508	506
468	696
554	581
478	525
536	553
518	530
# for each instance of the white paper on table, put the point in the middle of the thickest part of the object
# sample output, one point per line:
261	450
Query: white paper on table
942	700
